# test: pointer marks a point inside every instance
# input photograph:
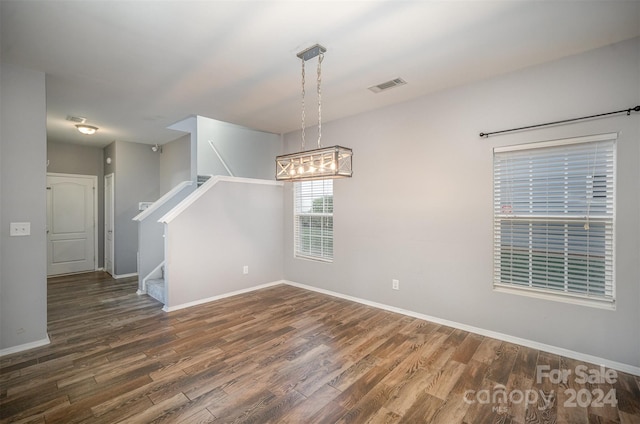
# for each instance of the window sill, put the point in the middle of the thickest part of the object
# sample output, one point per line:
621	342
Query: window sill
313	259
557	297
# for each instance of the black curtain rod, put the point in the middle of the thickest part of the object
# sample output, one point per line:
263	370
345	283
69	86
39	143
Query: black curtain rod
634	109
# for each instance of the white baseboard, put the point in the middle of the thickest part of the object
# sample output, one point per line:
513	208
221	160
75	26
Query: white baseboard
221	296
117	277
26	346
630	369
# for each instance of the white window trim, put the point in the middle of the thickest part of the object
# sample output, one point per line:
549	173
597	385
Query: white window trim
303	256
558	296
558	142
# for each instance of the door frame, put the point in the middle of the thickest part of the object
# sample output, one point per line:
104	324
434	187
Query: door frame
94	179
111	222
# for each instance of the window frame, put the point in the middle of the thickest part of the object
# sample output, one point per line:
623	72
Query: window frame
608	299
298	251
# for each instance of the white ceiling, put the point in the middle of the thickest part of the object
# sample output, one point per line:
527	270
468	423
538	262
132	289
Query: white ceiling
132	68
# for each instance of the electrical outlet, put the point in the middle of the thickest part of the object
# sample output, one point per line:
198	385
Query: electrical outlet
395	284
20	229
245	269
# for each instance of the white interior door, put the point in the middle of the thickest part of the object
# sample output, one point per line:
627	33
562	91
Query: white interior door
71	223
108	223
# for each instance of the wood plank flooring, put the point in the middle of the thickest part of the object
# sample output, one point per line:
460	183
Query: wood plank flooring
280	355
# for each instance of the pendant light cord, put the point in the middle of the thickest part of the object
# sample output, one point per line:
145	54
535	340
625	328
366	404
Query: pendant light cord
303	92
320	57
319	88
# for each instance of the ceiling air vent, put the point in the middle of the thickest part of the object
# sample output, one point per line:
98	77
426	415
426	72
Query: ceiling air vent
76	119
387	85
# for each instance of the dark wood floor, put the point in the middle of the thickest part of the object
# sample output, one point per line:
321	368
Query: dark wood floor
282	355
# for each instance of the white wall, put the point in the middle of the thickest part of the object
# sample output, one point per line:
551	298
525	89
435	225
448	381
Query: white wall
23	260
419	206
248	153
231	224
175	163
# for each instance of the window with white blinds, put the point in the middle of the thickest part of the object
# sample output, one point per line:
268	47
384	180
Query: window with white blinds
313	219
554	210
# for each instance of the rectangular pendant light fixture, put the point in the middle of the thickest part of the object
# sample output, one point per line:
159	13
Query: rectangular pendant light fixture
318	164
323	162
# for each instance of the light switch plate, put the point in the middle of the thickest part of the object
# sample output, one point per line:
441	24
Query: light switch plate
144	205
20	229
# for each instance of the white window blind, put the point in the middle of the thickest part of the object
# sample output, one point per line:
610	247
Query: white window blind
313	219
554	210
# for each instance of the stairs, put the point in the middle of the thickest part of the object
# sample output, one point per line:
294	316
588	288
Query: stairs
154	283
155	289
203	179
155	286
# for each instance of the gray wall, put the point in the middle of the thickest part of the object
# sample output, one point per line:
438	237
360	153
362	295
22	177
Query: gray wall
419	206
248	153
189	126
231	225
110	153
175	163
136	168
23	260
151	234
70	158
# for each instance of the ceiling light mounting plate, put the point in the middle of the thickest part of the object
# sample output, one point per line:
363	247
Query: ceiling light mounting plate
311	52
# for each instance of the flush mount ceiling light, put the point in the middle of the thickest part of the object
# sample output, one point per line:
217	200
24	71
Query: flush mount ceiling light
320	163
87	129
